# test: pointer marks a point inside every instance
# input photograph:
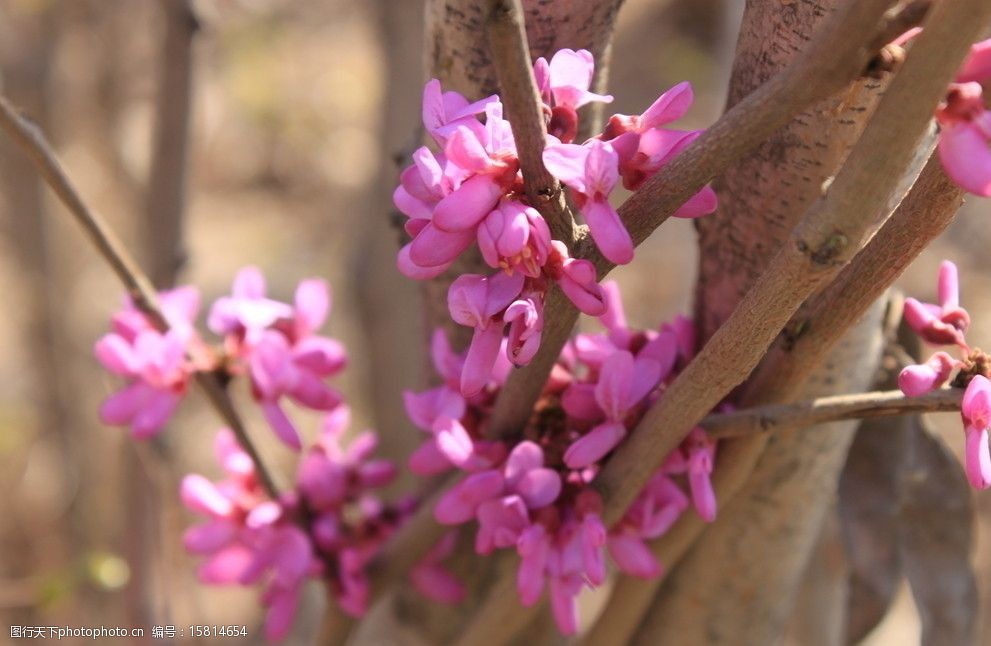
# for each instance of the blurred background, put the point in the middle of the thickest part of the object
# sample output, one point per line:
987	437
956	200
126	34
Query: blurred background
297	110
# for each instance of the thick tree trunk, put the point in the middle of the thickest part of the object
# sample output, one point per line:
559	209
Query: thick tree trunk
737	584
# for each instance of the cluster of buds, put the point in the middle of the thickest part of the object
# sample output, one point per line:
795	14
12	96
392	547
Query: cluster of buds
944	324
471	192
332	523
965	121
534	492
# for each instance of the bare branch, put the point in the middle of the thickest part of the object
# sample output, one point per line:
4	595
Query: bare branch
518	89
830	233
925	212
836	56
109	246
889	403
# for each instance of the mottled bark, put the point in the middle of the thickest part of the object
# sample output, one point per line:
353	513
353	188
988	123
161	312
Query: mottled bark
764	536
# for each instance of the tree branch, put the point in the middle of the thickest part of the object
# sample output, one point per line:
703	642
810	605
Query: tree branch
863	194
109	246
837	55
890	403
923	215
831	232
519	93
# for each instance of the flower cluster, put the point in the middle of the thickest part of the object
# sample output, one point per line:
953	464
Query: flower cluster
274	343
471	192
534	492
328	527
945	323
965	121
331	523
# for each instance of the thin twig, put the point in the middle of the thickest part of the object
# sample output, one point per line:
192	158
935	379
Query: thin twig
520	95
109	246
837	55
763	419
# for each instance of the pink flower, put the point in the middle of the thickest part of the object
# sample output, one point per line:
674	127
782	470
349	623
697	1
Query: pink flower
923	378
946	322
577	279
247	311
623	383
975	409
965	138
179	306
247	539
977	65
279	346
514	237
643	147
157	376
563	85
478	302
591	172
443	112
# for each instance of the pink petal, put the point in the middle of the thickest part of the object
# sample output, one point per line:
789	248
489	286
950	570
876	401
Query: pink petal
117	355
564	605
500	522
311	392
608	232
948	285
486	344
437	584
978	456
566	162
614	317
433	247
702	203
428	460
977	65
408	268
917	315
601	170
207	538
612	392
226	566
633	557
453	440
539	487
311	305
594	445
249	283
281	425
976	403
533	547
668	107
281	613
966	155
202	496
155	411
458	505
121	407
464	209
524	457
319	354
579	402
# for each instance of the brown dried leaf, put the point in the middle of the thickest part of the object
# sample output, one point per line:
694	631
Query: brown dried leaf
936	523
869	496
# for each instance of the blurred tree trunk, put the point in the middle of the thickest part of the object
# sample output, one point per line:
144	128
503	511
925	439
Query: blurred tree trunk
163	254
737	584
29	38
393	344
